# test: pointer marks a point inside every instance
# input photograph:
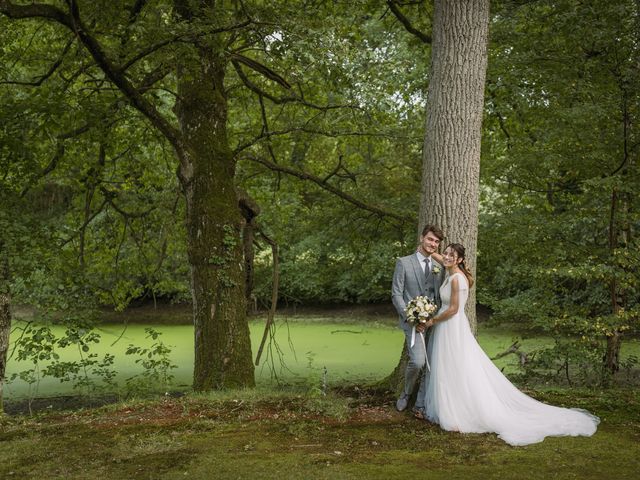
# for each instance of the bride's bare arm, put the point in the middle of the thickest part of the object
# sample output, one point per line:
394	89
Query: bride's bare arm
453	306
438	258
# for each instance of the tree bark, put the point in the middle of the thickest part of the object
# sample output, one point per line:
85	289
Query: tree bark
395	381
614	339
5	317
214	223
612	355
274	295
250	210
451	153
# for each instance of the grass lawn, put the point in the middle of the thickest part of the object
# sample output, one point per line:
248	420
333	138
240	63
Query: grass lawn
292	434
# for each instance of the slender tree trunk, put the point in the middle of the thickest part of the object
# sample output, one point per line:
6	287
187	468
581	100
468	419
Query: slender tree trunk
250	210
612	357
248	237
614	340
620	228
451	154
5	317
214	223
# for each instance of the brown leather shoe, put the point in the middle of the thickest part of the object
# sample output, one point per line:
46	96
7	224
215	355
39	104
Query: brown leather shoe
419	413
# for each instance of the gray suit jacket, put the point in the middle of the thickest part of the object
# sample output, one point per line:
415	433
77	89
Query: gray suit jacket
409	281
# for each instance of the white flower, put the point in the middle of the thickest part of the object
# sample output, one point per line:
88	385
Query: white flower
436	269
419	310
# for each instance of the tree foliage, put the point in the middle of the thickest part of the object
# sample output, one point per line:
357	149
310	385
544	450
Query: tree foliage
560	175
324	122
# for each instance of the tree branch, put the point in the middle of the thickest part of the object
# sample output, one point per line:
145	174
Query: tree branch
85	223
148	51
181	38
135	10
515	349
330	188
40	80
274	294
109	196
266	135
281	100
73	22
53	163
36	10
336	172
424	38
261	69
154	77
254	88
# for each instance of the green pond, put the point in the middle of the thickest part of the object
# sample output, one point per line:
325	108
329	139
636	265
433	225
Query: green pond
350	352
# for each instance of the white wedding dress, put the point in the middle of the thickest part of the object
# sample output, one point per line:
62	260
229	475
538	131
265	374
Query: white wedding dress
467	393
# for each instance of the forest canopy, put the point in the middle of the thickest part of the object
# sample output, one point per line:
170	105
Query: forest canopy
130	131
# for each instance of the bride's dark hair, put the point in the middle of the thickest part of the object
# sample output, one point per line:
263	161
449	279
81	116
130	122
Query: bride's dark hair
459	249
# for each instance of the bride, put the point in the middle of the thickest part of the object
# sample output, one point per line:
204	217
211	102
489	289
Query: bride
466	391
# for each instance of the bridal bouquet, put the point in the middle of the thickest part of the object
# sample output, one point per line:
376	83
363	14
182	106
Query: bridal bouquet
419	310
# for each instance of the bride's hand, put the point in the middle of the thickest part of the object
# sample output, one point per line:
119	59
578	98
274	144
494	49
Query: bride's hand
437	257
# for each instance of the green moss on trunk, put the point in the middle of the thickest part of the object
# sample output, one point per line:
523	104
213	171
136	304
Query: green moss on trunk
214	224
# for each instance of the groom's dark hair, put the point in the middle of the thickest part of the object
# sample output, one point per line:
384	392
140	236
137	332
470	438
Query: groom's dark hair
433	229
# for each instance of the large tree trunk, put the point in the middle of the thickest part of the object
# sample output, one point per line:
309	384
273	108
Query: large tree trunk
395	381
451	154
5	317
214	224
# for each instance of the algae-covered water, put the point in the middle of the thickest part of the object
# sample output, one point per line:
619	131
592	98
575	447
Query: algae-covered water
347	351
350	352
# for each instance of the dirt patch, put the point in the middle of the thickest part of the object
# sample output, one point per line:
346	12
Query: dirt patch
166	412
362	407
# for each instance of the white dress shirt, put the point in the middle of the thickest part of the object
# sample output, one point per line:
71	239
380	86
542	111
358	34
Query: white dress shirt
423	264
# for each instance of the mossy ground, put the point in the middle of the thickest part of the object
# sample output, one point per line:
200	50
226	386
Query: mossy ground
292	434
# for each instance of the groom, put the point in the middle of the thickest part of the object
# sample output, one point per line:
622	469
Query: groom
417	274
